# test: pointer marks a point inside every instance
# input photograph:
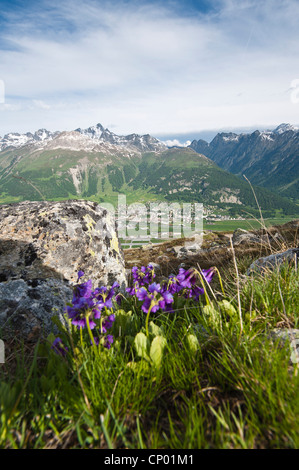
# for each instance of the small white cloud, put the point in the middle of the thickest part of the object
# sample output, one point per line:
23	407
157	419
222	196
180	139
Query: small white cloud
176	143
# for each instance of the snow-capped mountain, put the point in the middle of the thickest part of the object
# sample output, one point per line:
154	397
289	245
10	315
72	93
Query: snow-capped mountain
144	143
269	158
18	140
98	135
97	164
285	128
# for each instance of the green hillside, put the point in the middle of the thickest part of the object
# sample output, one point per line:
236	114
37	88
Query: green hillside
178	174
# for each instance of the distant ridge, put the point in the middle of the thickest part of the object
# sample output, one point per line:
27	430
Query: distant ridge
268	158
97	165
140	142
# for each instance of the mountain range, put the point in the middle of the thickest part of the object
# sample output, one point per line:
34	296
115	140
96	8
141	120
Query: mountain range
97	164
268	158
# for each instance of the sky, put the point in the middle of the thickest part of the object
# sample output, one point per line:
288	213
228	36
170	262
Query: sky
173	69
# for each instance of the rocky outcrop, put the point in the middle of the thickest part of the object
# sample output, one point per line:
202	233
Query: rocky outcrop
241	236
287	337
271	262
27	307
215	248
42	247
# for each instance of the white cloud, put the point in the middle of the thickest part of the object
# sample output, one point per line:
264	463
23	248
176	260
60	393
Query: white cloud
176	143
146	69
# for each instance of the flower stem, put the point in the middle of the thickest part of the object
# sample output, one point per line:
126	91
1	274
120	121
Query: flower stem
204	287
89	332
147	316
220	280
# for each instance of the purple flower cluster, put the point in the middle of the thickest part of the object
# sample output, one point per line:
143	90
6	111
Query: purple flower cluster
89	304
91	309
141	277
155	296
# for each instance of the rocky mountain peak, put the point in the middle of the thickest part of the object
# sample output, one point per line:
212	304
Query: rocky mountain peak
269	157
144	143
285	128
97	135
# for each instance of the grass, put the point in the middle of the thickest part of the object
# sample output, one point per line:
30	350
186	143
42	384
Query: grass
215	387
246	224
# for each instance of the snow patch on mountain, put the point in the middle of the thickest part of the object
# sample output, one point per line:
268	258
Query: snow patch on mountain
17	140
285	128
142	143
92	138
231	138
267	136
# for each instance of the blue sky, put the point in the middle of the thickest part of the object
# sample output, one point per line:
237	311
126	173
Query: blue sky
159	67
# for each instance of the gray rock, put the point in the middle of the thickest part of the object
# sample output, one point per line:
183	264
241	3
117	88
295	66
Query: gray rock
156	267
43	245
241	236
273	261
29	306
177	249
193	248
287	336
183	251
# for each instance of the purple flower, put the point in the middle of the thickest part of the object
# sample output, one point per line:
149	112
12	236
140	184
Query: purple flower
186	278
83	307
154	287
108	341
173	286
142	293
131	290
107	323
82	290
141	277
208	274
155	299
196	292
80	274
104	295
59	347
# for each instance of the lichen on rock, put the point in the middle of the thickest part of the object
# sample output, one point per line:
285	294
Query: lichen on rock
51	241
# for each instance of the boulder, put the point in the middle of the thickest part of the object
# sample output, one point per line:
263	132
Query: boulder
273	261
43	245
26	307
241	236
290	337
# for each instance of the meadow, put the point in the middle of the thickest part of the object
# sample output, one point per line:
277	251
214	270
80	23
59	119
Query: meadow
202	371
